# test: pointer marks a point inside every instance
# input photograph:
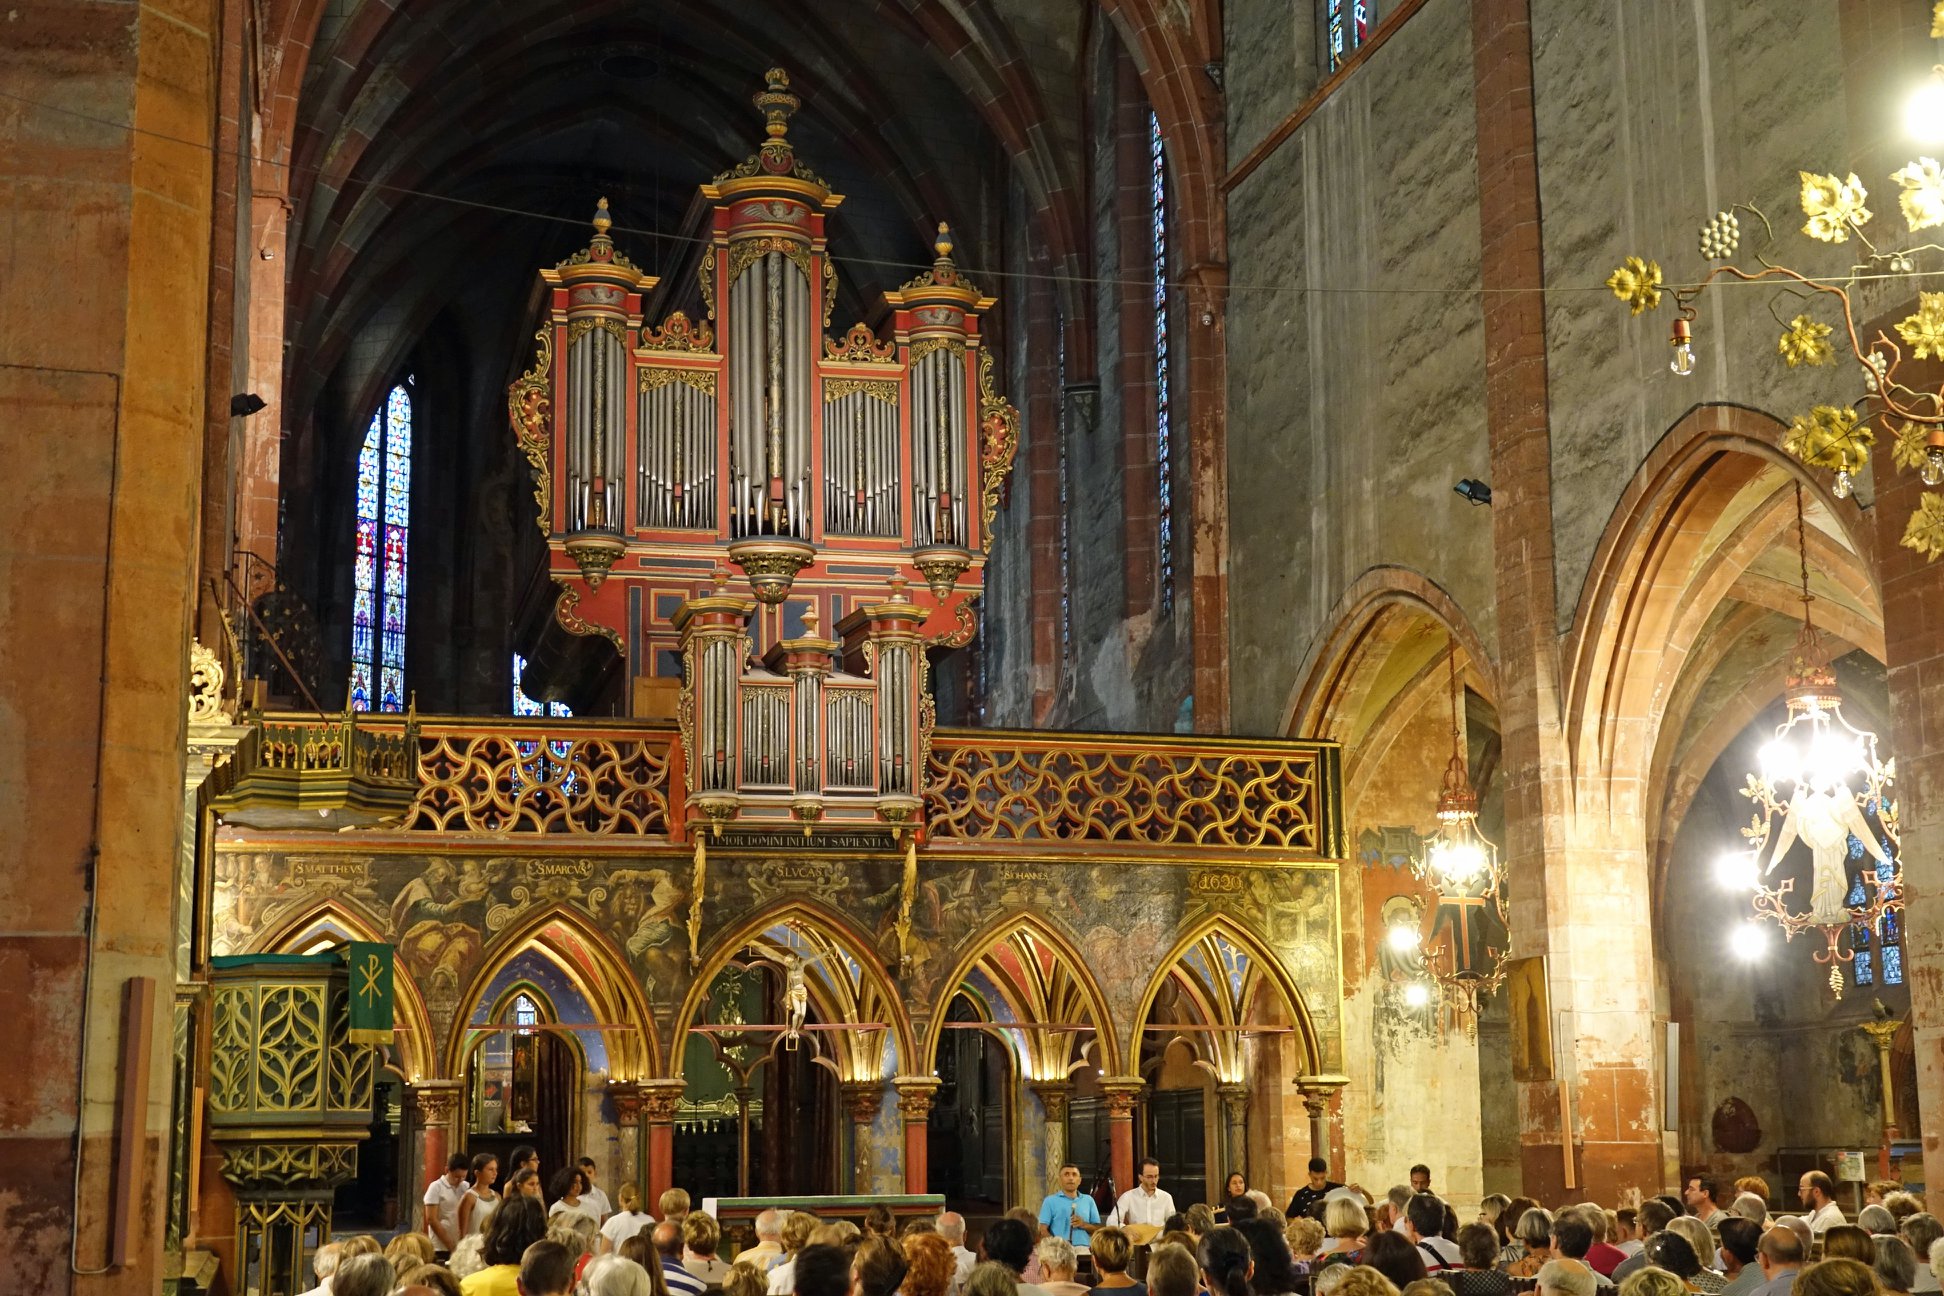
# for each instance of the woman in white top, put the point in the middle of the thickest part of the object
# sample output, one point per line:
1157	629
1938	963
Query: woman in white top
476	1210
626	1222
568	1186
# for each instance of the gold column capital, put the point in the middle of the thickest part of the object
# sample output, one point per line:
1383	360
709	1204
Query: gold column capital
436	1101
1121	1093
659	1099
862	1099
1317	1090
1054	1095
626	1096
915	1096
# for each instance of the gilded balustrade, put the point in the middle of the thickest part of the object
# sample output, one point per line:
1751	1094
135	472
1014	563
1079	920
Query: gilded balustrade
584	778
995	786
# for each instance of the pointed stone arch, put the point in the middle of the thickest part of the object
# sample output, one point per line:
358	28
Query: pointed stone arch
1705	505
1264	970
594	966
416	1047
871	986
1067	982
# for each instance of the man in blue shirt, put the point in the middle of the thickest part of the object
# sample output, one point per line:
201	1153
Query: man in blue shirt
1067	1213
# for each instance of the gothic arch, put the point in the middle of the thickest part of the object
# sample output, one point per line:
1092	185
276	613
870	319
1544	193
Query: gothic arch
414	1041
1382	594
1264	968
1710	499
596	969
874	983
1066	961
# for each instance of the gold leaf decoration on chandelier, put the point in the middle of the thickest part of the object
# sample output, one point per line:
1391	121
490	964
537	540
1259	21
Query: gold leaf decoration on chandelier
1829	436
1924	331
1637	283
1922	198
1908	450
1805	342
1937	20
1833	206
1925	530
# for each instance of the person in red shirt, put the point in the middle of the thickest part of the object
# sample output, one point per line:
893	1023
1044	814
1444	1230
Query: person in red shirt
1602	1257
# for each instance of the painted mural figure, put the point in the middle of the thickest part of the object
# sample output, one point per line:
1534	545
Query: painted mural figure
1825	821
437	917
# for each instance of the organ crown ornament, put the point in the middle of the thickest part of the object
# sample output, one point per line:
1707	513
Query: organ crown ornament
722	422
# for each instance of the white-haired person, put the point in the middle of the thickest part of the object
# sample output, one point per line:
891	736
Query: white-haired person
324	1264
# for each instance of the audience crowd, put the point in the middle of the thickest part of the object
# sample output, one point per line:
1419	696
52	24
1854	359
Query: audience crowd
488	1231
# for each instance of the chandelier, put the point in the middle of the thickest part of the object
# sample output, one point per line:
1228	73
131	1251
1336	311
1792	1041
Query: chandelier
1820	784
1461	867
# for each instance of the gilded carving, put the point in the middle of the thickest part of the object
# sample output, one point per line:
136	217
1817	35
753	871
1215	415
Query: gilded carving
573	623
860	346
747	252
205	687
884	389
580	328
677	334
998	444
702	380
506	783
983	789
925	346
529	401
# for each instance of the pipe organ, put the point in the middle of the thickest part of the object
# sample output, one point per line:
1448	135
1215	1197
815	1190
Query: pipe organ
742	433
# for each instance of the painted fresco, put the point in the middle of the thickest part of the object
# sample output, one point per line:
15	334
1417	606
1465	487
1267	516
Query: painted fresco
452	915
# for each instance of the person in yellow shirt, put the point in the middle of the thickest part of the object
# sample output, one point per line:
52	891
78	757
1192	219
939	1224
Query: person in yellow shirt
519	1222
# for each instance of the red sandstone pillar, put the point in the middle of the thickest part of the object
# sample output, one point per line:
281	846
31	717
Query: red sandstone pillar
437	1103
915	1095
659	1099
1121	1093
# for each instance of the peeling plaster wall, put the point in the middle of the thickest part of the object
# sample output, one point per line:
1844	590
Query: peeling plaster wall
1414	1092
1353	408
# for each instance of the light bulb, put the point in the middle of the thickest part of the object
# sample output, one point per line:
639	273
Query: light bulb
1736	871
1924	111
1933	470
1403	939
1780	761
1749	942
1682	365
1417	994
1843	485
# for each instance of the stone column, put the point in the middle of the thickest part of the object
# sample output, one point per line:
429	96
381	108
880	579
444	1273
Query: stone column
861	1100
437	1105
626	1097
1056	1097
659	1099
915	1094
1594	1121
1317	1091
104	380
1121	1093
1235	1126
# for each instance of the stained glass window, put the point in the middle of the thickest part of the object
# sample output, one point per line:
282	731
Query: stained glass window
526	706
1163	434
1346	25
1066	527
526	1014
379	557
1881	950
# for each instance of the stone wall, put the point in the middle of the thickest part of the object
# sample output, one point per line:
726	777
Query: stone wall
1355	351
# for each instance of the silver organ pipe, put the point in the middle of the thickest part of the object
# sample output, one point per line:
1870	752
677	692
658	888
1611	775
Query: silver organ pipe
771	353
849	739
676	456
938	430
597	371
861	464
766	735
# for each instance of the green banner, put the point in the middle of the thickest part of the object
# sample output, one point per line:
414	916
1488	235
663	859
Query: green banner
371	992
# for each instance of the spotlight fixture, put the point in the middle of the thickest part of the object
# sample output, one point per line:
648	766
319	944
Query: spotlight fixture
1474	490
244	404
